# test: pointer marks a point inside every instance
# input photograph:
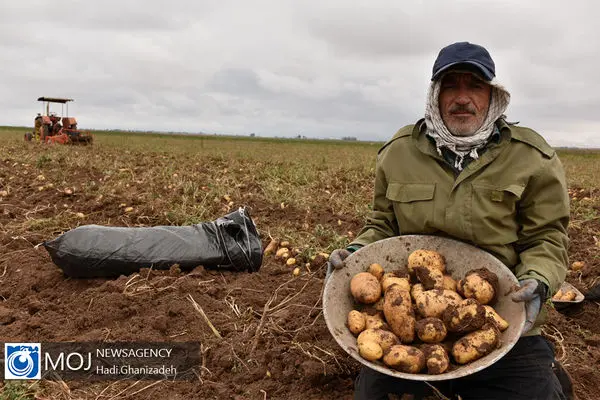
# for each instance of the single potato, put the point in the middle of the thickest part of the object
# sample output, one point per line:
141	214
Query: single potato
370	351
479	284
464	317
431	330
569	296
436	359
430	277
403	358
492	315
368	335
426	258
433	303
385	339
365	288
389	278
271	247
376	270
356	322
399	313
476	344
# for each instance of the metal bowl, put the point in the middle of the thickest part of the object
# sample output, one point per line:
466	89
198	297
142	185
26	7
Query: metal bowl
563	304
392	254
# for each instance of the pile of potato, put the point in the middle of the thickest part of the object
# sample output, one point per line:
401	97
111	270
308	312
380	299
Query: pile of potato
413	321
564	295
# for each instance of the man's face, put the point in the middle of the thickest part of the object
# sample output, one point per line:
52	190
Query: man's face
464	101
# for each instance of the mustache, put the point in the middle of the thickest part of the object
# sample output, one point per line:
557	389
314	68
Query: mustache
462	109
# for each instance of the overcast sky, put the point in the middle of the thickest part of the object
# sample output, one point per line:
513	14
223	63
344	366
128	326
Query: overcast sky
327	68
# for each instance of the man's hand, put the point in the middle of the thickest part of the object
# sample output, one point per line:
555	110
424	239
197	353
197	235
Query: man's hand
337	257
533	293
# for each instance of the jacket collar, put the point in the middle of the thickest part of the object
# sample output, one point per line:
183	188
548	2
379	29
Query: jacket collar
502	137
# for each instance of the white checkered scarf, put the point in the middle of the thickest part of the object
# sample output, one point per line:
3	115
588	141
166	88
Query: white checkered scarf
463	145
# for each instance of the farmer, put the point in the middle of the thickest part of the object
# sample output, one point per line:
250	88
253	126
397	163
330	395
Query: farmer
464	172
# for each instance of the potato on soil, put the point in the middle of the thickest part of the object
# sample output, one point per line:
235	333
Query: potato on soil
577	265
356	322
365	288
436	359
399	313
449	283
467	316
370	351
282	252
403	358
433	303
431	330
390	278
479	284
385	339
271	247
430	277
476	344
492	316
426	258
376	270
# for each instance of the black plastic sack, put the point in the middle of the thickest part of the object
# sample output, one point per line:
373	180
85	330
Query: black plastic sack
90	251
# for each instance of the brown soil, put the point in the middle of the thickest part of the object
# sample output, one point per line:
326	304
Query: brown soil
271	312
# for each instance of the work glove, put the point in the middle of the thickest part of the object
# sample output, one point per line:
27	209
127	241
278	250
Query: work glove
337	257
336	260
533	293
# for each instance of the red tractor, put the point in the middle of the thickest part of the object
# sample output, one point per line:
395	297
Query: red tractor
50	128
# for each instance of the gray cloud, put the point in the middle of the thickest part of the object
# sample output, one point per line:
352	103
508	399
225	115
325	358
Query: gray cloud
282	68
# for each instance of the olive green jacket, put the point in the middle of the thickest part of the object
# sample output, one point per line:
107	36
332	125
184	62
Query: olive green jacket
512	201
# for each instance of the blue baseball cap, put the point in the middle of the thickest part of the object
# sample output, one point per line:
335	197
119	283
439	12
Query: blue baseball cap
464	55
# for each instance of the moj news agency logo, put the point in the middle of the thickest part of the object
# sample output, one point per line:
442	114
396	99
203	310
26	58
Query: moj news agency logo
22	360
